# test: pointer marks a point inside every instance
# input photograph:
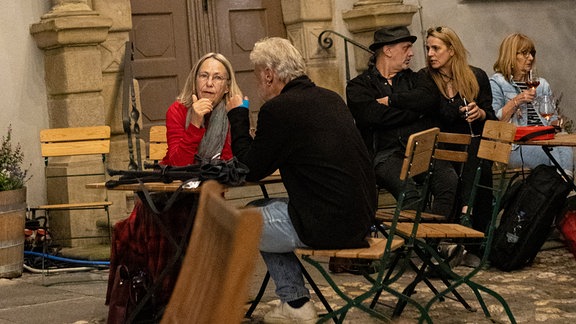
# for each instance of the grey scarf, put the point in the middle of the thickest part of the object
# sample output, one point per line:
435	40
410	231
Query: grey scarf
215	136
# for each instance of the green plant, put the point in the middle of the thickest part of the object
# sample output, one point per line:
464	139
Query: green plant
12	175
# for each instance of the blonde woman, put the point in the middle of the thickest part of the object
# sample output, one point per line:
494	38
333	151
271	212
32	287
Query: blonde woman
196	122
197	127
512	100
465	104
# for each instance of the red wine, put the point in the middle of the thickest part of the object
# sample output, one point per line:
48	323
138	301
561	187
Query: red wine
533	84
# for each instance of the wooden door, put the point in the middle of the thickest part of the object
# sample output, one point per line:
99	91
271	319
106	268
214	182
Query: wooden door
162	57
170	35
240	25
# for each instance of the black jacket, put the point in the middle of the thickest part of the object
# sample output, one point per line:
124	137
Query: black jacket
449	112
386	129
308	133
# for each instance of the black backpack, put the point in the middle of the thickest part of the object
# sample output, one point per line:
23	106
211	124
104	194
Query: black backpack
530	207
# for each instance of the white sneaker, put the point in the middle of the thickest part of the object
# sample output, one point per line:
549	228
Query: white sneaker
285	313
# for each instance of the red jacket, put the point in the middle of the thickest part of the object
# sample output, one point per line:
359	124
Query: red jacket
183	143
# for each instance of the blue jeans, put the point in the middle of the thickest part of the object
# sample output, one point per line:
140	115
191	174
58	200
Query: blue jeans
532	156
278	241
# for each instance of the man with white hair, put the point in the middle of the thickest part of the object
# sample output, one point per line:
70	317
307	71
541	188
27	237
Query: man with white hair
308	133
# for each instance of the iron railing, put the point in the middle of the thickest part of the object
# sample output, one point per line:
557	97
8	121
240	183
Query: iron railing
326	42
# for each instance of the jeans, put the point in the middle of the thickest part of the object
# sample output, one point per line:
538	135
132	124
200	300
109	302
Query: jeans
532	156
278	241
443	184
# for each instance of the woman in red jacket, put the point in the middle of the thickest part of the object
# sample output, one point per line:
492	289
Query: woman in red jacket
196	122
197	128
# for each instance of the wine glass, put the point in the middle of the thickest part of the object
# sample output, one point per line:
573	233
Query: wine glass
466	113
546	107
533	80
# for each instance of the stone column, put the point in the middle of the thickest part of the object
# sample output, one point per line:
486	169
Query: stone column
305	20
367	16
112	68
69	35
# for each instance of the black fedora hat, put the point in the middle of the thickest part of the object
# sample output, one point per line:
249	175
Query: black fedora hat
391	35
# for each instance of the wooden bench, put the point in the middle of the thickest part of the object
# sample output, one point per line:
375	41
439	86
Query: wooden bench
69	142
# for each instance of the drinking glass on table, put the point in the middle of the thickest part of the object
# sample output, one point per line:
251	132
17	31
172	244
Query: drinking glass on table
546	107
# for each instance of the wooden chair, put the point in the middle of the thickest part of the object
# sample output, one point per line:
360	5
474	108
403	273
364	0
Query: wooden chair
68	142
212	286
495	146
158	143
447	152
418	159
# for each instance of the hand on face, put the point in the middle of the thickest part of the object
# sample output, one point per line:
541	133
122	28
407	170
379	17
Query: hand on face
200	107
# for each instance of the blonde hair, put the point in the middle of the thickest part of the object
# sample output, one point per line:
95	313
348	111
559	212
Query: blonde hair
511	46
185	97
464	79
279	55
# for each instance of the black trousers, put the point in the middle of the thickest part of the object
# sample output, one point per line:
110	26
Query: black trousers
443	184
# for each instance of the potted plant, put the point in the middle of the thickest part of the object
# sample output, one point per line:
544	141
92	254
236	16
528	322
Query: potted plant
12	207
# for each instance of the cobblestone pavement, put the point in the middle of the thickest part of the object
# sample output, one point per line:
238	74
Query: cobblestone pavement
542	293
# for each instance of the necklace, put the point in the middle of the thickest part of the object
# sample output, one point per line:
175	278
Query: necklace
442	75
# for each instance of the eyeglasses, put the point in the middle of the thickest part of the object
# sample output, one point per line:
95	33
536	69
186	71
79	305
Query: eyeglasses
527	53
216	78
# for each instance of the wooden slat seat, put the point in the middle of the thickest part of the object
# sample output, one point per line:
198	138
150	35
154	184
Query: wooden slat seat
383	215
375	251
89	205
438	230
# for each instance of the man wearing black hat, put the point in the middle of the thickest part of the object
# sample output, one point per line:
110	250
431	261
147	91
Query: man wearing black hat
386	128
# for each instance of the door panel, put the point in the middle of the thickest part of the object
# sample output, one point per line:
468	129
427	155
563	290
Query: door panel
165	47
240	25
161	55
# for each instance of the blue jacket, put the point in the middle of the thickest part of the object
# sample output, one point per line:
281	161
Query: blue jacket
504	91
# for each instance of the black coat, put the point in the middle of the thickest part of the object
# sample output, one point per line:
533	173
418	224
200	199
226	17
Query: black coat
309	134
412	108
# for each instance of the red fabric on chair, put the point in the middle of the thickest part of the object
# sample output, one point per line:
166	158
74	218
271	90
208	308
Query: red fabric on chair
139	244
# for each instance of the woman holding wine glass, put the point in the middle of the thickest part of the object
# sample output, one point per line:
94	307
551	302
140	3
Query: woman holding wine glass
464	106
517	92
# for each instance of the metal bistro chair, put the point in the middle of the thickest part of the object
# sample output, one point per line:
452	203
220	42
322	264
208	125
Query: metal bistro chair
212	286
418	160
495	146
452	147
